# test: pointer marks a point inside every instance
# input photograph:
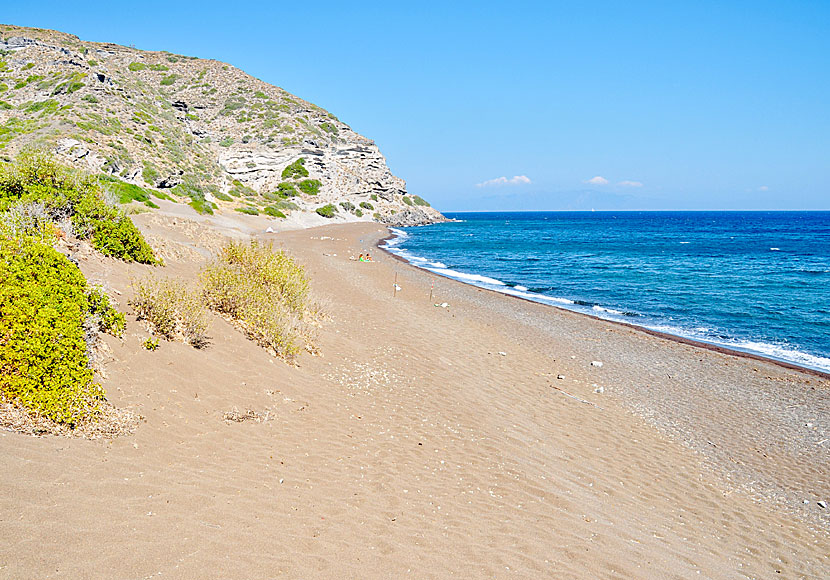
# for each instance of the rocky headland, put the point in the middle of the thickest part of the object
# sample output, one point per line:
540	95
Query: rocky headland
197	131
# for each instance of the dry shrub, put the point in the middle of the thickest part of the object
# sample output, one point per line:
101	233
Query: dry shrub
265	293
172	309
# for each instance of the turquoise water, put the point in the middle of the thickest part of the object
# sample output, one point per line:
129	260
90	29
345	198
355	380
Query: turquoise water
754	281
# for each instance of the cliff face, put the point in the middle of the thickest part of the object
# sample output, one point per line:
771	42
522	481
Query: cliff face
161	120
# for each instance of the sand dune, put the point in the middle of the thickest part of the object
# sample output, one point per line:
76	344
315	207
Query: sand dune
425	442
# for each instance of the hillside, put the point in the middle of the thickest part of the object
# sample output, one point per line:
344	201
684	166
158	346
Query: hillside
198	131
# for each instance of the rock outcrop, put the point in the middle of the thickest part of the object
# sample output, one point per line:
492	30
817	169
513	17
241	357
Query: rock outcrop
199	128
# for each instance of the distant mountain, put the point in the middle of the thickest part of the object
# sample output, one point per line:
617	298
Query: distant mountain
199	129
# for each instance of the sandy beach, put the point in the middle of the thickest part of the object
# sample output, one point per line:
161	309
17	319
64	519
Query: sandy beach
483	439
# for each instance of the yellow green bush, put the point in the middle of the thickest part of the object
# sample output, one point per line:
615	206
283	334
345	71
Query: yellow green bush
44	366
172	309
68	195
265	292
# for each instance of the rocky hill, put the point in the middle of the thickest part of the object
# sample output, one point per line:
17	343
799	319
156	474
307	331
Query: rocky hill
191	130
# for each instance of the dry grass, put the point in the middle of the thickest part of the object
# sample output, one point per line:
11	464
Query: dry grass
107	422
265	293
172	309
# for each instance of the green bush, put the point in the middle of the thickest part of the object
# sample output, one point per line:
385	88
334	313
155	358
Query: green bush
358	213
296	169
121	239
202	206
310	186
327	211
366	205
169	80
247	210
420	200
172	310
222	196
43	353
149	174
68	87
109	320
407	200
137	66
289	205
49	105
226	142
273	211
347	205
373	197
159	67
37	178
239	190
287	189
127	192
264	292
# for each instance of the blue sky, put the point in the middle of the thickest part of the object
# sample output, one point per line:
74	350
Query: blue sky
533	105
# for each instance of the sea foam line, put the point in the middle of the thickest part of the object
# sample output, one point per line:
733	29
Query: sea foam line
768	350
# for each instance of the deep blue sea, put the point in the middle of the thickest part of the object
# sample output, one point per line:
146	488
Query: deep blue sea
754	281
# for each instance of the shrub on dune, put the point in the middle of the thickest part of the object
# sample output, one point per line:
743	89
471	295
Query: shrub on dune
72	198
172	309
48	320
264	292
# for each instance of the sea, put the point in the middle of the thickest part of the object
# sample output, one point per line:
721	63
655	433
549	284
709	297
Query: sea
757	282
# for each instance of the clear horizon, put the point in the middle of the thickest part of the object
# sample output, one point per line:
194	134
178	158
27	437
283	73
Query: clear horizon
535	106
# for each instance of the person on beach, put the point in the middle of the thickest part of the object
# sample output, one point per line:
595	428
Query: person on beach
360	258
368	258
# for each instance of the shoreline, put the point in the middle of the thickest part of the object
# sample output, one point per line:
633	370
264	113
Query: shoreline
660	334
670	411
478	441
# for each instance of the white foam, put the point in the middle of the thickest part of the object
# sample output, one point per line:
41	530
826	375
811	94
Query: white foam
773	351
782	353
470	277
606	310
701	333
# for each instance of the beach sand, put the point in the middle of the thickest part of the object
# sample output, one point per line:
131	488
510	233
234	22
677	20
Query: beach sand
424	442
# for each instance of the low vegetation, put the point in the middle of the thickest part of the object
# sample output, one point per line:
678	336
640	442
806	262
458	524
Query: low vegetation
273	211
127	192
310	186
264	292
327	211
73	202
296	169
49	316
49	320
171	309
